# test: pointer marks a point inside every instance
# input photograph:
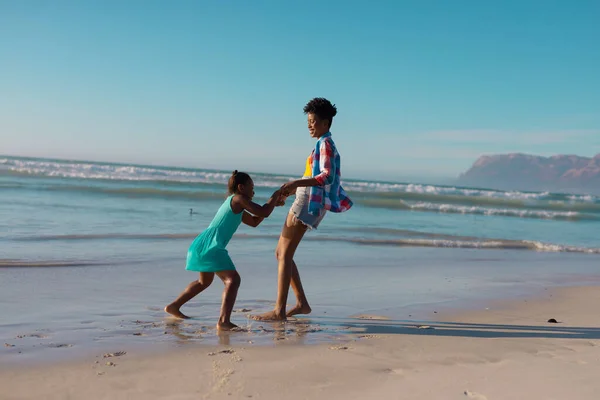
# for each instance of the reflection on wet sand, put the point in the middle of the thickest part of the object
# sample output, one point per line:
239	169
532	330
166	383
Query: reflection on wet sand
294	331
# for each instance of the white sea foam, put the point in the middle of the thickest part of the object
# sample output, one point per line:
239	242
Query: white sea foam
507	212
587	198
443	190
447	242
105	171
558	248
111	171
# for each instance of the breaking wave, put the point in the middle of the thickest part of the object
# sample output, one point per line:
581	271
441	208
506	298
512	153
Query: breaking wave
411	239
186	183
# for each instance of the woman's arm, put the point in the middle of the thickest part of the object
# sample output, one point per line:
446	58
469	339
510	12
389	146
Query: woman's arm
325	177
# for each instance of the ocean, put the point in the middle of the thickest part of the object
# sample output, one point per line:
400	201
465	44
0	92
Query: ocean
90	252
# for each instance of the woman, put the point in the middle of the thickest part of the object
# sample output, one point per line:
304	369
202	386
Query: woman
317	192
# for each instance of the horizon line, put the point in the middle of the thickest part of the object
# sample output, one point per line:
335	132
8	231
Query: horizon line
450	180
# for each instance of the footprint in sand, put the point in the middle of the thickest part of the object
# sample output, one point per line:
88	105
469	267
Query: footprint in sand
338	348
393	371
371	317
369	337
115	354
228	351
309	329
220	380
473	395
32	335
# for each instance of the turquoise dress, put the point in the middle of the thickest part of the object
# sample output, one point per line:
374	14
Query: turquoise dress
207	252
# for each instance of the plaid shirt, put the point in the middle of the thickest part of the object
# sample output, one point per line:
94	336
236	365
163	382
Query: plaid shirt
330	194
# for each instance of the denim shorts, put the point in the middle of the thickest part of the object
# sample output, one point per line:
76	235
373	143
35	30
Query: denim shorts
300	209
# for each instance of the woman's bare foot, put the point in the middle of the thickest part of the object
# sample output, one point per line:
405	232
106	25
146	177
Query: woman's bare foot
269	316
174	311
228	326
299	309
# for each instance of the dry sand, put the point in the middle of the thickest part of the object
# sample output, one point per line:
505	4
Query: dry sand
508	351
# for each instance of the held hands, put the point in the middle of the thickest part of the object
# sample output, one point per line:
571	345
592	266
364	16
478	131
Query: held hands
281	201
289	188
279	198
284	192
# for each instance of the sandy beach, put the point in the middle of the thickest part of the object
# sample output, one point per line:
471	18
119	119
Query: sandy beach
423	176
507	350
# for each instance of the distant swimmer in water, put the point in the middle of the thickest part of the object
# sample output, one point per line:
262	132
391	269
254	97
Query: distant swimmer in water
192	211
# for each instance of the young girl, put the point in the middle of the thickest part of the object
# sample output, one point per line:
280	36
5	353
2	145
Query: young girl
207	254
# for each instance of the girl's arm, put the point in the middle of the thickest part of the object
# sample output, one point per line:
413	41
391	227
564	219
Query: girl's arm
255	221
260	211
251	220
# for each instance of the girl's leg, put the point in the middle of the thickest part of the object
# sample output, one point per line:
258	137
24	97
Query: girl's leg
232	281
189	293
290	238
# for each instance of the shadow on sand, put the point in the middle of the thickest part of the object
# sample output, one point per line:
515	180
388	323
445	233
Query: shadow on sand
461	329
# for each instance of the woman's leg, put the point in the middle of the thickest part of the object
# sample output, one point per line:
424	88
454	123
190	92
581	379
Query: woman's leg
302	306
232	281
291	235
189	293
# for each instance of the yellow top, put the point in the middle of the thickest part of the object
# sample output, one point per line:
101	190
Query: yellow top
308	171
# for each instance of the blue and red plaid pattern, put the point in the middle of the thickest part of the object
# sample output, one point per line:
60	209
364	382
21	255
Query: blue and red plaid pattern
330	194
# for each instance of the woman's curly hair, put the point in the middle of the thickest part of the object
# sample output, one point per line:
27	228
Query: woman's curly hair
322	108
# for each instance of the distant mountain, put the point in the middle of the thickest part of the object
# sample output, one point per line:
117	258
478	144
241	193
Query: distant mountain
565	173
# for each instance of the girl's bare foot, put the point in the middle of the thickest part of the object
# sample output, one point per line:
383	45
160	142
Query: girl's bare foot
269	316
228	326
174	311
299	309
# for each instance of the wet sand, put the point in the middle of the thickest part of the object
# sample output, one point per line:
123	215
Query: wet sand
504	350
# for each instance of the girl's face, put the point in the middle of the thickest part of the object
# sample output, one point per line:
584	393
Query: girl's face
316	126
247	189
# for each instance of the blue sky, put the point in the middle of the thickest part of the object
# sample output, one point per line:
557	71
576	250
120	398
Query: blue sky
422	87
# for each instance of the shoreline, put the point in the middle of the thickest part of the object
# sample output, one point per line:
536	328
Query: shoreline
160	333
488	353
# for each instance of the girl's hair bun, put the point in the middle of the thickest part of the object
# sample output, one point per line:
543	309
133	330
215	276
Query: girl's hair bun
237	178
